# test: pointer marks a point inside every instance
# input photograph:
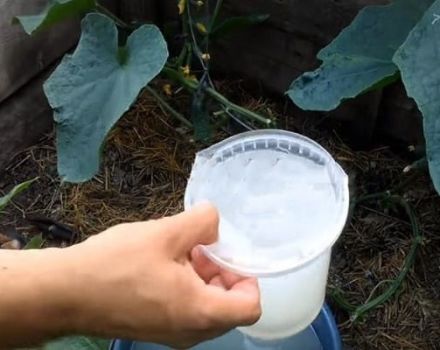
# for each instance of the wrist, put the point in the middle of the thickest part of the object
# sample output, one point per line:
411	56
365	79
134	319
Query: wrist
33	296
52	300
59	291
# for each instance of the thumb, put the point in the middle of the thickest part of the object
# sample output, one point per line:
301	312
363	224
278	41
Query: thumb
196	226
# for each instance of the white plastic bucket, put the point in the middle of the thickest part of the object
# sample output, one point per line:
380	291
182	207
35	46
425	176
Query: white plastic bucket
283	202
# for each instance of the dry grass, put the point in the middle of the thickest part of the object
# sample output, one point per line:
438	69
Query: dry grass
144	174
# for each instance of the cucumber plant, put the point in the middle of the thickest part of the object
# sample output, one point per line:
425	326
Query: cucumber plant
383	44
92	87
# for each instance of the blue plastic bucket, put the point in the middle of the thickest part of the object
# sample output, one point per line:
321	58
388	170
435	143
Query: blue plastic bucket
323	334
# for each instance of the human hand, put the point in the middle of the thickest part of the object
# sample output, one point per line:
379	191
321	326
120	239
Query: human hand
149	281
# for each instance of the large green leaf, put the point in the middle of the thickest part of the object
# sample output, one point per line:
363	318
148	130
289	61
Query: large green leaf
360	57
419	62
55	11
91	89
14	192
78	343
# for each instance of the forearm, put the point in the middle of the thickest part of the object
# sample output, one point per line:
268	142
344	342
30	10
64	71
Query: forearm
134	281
34	302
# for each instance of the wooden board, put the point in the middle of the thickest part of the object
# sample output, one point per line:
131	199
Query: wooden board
272	54
112	5
23	119
22	57
286	45
24	60
139	10
276	52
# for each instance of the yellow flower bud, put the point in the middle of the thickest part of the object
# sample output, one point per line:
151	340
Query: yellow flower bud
181	5
167	89
202	28
185	70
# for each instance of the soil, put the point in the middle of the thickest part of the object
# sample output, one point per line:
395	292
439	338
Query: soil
144	172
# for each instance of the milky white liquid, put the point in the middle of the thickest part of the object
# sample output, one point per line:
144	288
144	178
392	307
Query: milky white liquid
291	302
276	210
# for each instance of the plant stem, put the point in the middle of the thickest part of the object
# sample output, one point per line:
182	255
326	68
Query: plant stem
372	196
196	49
409	261
187	44
192	86
338	298
215	14
173	74
183	55
357	312
119	22
167	106
236	108
189	55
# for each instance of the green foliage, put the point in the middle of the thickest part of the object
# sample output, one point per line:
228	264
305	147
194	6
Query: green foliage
35	243
383	43
56	11
91	89
14	192
200	114
360	57
418	60
78	343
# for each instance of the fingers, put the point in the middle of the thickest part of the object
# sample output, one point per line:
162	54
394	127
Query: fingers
230	279
226	298
203	266
238	306
217	282
194	227
207	270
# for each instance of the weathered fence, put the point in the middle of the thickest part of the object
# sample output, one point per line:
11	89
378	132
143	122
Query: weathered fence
23	61
272	53
24	64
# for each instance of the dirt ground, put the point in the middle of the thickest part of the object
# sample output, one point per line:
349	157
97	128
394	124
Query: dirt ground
144	173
